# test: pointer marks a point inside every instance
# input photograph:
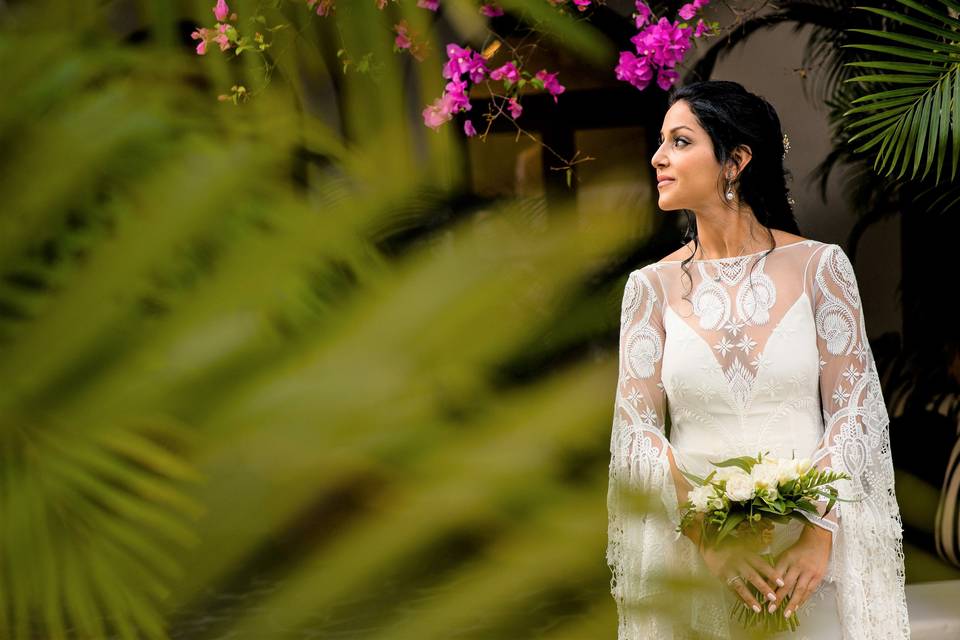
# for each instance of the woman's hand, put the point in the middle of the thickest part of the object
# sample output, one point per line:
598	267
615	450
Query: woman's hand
803	566
733	559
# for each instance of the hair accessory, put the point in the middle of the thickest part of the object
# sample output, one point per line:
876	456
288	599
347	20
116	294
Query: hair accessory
786	146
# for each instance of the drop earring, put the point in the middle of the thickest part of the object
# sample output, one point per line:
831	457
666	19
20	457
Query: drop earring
729	188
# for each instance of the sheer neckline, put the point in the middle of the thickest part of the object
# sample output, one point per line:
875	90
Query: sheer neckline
746	255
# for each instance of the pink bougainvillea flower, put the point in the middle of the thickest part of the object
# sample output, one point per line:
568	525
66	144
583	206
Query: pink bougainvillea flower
456	95
634	70
700	4
323	7
468	129
491	10
582	5
666	78
550	83
506	72
515	108
432	5
664	44
702	28
202	48
221	11
402	40
687	11
436	114
643	14
464	60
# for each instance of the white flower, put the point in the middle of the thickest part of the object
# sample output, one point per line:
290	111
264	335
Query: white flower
788	470
700	497
765	476
803	465
725	473
740	486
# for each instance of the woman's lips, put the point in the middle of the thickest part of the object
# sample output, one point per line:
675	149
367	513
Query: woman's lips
664	182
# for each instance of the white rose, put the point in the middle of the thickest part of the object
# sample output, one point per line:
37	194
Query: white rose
765	475
788	471
803	465
740	487
700	497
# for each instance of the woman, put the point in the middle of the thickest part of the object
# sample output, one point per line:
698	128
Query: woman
752	339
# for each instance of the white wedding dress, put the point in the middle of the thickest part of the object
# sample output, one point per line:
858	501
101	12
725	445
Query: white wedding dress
758	353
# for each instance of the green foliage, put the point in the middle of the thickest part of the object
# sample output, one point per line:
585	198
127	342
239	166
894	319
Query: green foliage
240	346
911	123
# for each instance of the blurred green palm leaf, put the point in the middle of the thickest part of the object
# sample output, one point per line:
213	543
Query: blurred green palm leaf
911	124
221	368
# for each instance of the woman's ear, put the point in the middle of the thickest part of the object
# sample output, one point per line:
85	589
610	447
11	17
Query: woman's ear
739	159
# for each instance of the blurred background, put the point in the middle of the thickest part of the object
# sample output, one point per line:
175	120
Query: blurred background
277	360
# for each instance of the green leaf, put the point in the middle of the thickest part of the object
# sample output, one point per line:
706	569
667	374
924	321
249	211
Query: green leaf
893	93
894	65
924	109
922	25
943	132
732	521
903	52
744	462
901	79
924	44
873	106
956	123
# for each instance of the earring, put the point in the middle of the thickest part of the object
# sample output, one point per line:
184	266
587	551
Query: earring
729	193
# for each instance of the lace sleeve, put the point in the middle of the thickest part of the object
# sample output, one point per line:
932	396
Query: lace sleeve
867	533
642	489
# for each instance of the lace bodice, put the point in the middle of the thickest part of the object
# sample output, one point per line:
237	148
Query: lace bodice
763	352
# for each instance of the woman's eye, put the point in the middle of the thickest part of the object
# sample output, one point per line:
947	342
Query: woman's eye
675	140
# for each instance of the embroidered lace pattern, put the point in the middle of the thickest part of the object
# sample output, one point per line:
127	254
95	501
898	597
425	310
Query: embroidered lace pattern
764	352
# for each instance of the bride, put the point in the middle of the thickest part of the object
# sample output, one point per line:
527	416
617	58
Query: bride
749	339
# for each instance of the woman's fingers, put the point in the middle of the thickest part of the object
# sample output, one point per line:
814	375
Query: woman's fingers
766	569
799	595
757	580
740	586
806	585
789	583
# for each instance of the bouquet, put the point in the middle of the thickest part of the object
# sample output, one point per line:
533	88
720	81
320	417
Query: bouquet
745	498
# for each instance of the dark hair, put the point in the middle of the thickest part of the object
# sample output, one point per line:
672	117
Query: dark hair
732	116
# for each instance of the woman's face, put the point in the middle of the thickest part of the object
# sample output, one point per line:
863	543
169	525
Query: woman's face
685	155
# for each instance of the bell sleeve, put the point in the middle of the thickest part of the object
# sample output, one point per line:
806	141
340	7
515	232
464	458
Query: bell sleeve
867	553
642	500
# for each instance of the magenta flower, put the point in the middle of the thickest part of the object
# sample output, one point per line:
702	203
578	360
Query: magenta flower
506	72
687	11
664	44
468	129
582	5
700	4
643	14
437	113
202	48
432	5
402	41
515	108
550	83
666	78
491	10
702	28
636	71
221	11
463	60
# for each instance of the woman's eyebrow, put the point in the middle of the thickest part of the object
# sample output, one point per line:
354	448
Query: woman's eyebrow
682	126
